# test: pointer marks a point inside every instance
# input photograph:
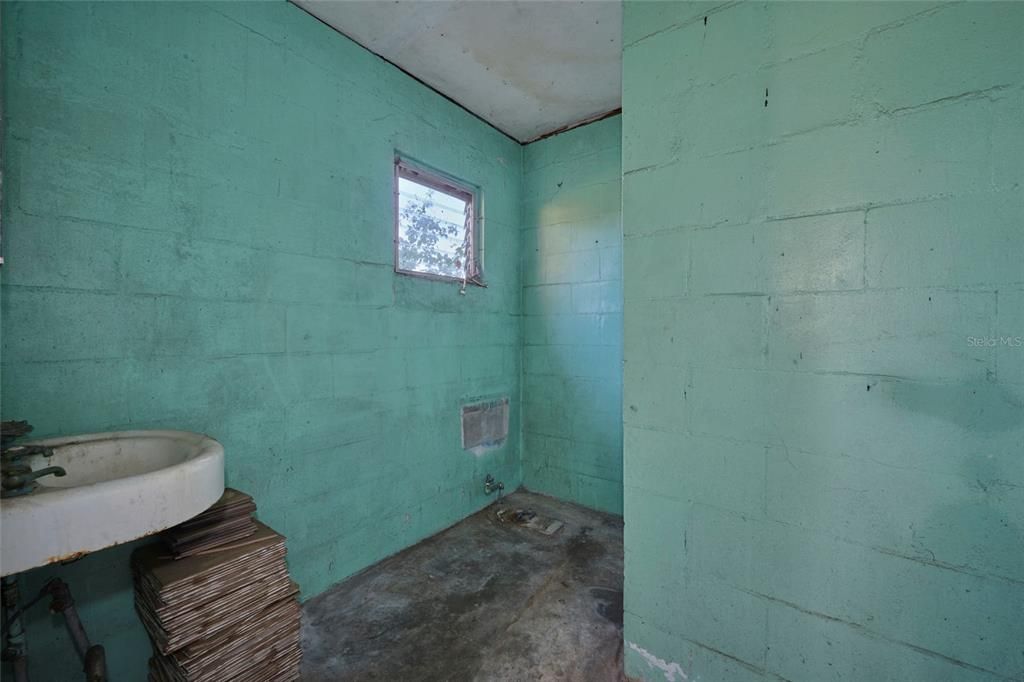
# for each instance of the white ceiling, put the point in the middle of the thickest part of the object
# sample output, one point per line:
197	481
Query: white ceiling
526	67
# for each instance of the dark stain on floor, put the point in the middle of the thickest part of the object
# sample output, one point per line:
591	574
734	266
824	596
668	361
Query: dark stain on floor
609	604
483	600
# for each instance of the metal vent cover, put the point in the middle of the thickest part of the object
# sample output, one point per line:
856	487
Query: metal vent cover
484	424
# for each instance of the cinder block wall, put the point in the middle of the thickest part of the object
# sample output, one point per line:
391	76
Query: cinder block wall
824	224
198	229
572	306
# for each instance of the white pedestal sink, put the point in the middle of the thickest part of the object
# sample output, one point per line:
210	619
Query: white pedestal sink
119	486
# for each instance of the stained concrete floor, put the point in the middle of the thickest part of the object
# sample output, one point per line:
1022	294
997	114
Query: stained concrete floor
483	600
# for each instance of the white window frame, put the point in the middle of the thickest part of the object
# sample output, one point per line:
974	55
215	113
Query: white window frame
444	183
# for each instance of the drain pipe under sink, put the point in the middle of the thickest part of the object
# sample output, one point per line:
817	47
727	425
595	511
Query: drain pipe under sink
93	657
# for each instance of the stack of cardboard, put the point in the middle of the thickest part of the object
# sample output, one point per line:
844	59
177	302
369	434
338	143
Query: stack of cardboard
228	520
225	609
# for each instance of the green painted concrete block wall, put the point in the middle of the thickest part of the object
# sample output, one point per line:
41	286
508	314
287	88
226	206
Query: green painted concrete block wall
572	308
823	227
197	227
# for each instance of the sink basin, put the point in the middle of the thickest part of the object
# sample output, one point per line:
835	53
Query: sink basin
119	486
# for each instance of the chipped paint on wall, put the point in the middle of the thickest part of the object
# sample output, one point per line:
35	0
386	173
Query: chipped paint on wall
670	669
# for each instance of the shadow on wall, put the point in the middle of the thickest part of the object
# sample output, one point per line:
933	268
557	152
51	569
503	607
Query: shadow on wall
982	528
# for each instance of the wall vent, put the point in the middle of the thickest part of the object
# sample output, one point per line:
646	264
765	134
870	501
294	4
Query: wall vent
484	424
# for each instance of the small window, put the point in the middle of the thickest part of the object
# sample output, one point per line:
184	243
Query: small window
435	225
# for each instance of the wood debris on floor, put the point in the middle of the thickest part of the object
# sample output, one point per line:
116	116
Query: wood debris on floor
216	599
529	519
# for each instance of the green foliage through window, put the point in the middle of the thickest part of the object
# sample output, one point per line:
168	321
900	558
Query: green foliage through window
435	229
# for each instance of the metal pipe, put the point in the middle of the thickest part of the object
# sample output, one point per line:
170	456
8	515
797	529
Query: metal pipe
63	603
15	645
93	657
490	485
95	664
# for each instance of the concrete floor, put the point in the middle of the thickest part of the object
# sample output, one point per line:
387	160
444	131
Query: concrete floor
483	600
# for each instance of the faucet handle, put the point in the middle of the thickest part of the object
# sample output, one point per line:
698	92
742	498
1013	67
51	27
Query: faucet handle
490	485
16	452
11	431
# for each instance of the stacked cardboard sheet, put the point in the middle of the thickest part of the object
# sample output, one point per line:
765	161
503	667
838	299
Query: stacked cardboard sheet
226	611
228	520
